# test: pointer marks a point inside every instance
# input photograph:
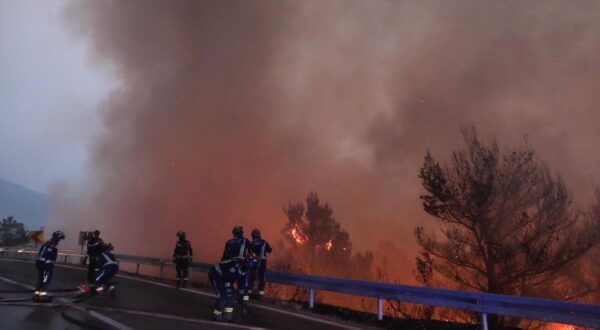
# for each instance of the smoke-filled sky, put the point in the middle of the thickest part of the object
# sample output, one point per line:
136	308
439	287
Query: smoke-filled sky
226	111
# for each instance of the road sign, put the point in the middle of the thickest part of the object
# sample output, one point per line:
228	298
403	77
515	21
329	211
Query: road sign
36	236
82	237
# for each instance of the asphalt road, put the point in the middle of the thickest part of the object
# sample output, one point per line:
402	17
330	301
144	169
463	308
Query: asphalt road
139	304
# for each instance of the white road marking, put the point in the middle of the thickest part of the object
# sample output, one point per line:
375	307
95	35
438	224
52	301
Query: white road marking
308	317
107	320
8	280
273	309
179	318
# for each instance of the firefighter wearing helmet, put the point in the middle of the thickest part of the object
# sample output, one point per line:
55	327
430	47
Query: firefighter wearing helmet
223	275
95	246
258	249
182	257
45	263
108	268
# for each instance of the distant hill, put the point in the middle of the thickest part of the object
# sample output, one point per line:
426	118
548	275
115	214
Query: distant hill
26	206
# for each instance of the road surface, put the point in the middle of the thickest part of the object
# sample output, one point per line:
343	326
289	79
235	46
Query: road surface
139	304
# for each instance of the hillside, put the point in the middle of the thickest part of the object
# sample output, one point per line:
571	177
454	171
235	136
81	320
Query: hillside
27	206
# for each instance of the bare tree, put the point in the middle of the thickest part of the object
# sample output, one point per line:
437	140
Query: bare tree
507	224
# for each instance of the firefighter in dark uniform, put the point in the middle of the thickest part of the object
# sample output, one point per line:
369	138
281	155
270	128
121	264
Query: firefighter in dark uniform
222	276
258	249
227	271
244	259
45	263
108	267
182	257
95	245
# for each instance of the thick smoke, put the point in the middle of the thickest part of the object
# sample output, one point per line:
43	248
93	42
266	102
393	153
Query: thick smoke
228	110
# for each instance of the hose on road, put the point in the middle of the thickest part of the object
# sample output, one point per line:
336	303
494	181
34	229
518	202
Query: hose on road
31	290
88	325
2	301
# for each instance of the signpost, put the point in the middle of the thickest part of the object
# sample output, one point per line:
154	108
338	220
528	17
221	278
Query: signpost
83	236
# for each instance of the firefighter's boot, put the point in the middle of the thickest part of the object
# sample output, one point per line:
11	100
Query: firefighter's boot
228	314
218	315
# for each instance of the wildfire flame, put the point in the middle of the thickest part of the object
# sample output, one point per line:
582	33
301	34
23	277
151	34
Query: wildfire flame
328	245
298	236
558	326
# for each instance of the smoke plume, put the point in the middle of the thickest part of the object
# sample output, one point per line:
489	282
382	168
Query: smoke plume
228	110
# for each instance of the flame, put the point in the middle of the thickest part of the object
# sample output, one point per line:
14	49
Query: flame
558	326
298	235
328	245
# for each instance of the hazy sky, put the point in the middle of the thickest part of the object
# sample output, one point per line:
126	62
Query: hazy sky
48	95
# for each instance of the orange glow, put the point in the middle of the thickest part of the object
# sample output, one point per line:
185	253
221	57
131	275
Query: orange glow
328	245
558	326
298	235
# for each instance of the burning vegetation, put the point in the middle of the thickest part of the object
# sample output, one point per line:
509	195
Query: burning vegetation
316	243
296	234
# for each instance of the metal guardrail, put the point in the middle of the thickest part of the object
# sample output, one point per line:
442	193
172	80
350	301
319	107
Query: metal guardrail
587	315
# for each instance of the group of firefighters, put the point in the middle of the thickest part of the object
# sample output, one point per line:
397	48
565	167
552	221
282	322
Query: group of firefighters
102	265
243	262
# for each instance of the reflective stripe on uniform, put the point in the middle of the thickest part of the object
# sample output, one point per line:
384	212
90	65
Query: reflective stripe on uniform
228	309
108	259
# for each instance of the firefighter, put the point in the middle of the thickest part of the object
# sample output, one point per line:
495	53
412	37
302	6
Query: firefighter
238	248
107	268
45	264
182	257
95	245
258	249
222	277
227	271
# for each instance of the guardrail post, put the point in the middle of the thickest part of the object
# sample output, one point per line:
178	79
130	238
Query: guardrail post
311	298
379	308
137	268
66	259
484	323
162	265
